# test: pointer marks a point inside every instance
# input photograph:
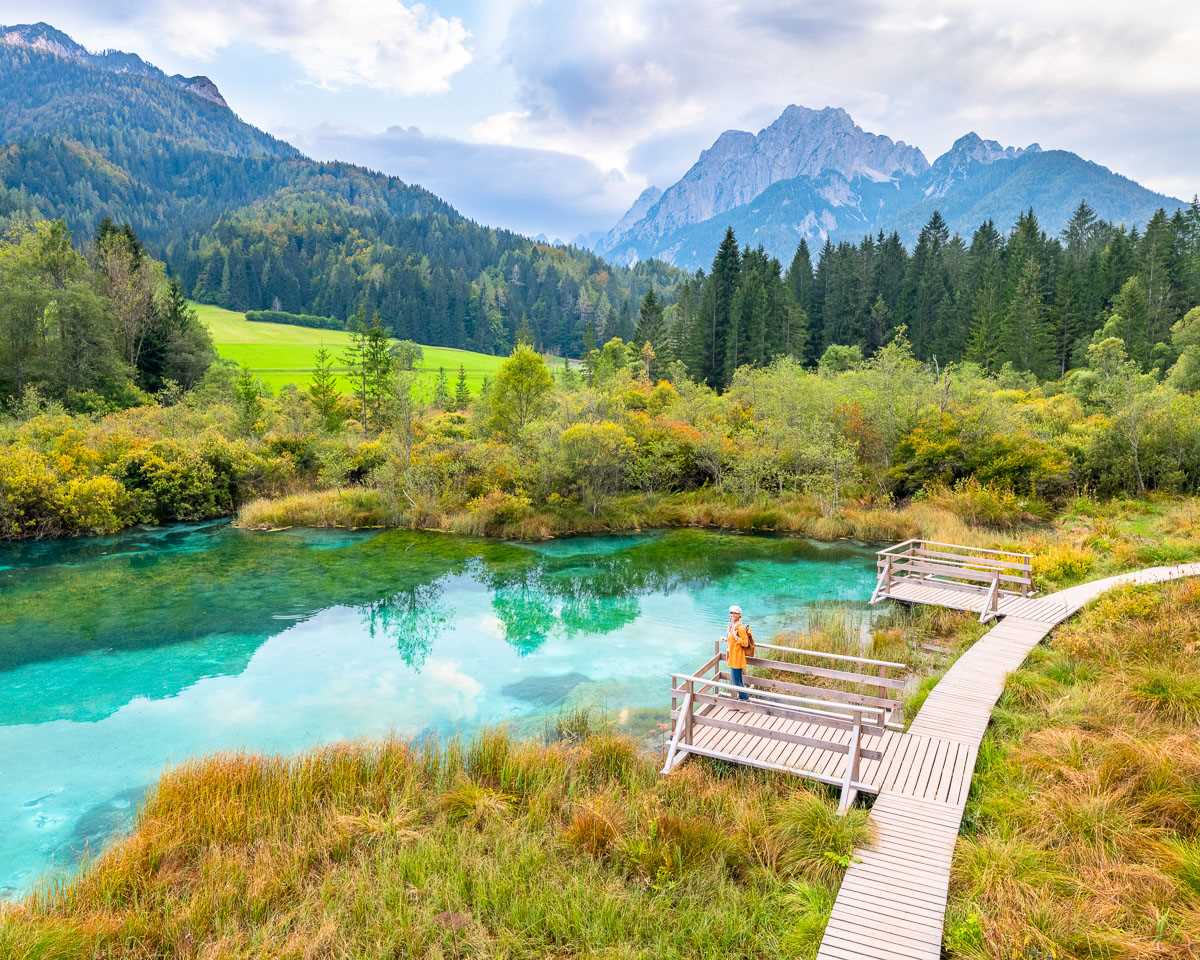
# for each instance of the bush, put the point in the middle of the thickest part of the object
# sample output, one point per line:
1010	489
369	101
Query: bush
171	482
29	495
986	504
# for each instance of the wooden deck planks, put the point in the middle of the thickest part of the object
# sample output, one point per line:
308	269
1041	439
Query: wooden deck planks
892	901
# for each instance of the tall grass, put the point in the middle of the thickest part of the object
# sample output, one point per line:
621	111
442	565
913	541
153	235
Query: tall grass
1082	834
492	848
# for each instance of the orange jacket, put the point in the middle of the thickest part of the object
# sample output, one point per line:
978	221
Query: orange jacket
741	645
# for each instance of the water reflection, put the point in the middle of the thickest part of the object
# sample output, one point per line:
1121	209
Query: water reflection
121	656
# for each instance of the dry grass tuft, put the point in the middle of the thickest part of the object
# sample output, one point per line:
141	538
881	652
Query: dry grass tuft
1082	835
483	849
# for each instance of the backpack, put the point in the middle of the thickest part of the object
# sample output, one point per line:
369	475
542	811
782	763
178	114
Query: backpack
750	637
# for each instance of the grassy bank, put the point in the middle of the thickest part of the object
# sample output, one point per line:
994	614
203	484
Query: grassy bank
280	353
1082	834
493	850
1086	540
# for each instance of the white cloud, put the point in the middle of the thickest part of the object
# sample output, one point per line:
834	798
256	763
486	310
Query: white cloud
529	190
1089	75
407	48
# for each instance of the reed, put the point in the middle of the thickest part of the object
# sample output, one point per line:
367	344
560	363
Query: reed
481	849
1081	835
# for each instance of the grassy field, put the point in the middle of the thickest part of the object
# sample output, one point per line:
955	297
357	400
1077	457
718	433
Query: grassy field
280	353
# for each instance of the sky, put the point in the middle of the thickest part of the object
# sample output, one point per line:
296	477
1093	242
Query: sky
551	116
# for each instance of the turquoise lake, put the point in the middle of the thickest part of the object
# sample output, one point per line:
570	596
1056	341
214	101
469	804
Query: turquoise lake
121	656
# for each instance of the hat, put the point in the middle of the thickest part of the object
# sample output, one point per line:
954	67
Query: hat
735	609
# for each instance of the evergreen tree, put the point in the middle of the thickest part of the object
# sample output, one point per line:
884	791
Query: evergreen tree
371	365
650	319
1024	337
800	276
441	391
323	389
816	308
723	282
462	394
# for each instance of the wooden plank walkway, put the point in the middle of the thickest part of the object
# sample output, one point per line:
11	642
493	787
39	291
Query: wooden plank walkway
935	594
926	767
892	901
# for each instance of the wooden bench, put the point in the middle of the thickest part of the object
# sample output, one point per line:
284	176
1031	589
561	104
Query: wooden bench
988	574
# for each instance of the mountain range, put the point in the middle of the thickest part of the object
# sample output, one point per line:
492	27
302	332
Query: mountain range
245	220
816	175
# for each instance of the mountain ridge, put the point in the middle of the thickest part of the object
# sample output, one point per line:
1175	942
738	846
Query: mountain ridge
246	221
816	175
43	37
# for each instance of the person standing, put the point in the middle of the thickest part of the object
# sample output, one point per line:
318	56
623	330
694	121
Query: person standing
740	642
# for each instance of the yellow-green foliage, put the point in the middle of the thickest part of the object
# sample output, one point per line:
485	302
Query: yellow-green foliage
1083	826
495	849
65	475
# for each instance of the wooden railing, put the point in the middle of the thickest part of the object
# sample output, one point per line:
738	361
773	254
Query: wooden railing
993	573
825	713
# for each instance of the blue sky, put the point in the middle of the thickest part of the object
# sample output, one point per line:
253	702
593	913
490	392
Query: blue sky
550	116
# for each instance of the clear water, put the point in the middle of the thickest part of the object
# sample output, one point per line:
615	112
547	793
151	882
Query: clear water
121	656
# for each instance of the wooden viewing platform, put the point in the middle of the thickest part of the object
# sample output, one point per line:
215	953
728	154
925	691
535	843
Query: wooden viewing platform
991	583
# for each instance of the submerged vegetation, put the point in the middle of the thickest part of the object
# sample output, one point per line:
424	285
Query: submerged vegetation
492	848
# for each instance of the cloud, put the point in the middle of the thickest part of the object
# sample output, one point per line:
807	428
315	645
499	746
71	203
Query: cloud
528	190
637	83
388	45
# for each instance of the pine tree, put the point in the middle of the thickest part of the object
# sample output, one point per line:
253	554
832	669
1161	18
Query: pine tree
649	327
1024	338
816	307
800	276
323	390
723	282
441	391
462	395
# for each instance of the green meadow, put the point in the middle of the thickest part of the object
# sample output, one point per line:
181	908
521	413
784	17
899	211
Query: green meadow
280	353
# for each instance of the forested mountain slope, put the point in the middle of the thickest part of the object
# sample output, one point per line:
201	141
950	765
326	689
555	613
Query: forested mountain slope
246	221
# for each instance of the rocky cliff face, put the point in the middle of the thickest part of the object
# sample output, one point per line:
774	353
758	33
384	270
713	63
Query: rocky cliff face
45	39
816	175
739	166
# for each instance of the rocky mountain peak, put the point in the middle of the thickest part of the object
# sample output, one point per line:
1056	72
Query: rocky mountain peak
801	142
956	163
46	39
43	37
201	87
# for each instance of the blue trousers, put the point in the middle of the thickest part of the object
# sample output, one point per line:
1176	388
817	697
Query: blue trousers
736	674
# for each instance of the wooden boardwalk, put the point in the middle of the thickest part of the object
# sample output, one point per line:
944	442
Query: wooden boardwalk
892	901
910	764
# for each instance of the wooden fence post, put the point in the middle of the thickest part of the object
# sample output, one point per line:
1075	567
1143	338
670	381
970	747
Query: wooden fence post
849	792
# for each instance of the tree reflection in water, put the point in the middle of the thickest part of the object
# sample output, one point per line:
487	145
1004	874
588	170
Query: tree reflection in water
412	618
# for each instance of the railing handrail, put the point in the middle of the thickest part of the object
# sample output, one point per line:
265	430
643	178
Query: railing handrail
847	658
950	568
890	551
838	711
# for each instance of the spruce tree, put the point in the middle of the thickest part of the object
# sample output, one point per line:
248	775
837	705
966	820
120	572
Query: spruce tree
650	316
723	282
462	395
441	391
323	389
800	276
1025	340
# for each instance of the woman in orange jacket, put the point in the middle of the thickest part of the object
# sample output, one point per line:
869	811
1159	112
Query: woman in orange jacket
740	642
